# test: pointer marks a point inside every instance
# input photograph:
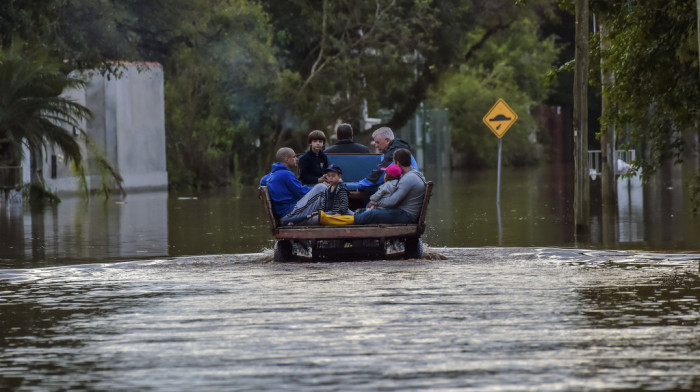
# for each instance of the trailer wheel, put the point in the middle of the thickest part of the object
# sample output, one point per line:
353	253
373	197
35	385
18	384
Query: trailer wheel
413	248
283	251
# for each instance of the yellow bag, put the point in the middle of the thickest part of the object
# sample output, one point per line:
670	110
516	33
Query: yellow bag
335	220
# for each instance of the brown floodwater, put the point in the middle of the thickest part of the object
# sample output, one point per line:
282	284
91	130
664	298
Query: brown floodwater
178	292
536	210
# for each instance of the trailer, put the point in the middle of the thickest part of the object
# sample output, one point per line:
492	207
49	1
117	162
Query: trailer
349	242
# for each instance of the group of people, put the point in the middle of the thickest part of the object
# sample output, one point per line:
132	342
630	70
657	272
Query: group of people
392	193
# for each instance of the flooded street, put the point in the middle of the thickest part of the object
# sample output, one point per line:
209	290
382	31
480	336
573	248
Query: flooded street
475	319
178	292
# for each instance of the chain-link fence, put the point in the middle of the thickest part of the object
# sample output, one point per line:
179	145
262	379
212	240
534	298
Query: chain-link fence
428	133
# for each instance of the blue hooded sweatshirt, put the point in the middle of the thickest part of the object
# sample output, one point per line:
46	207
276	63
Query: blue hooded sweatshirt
284	188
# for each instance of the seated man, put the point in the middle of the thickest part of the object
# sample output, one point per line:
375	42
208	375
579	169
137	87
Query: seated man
292	202
345	143
386	144
402	206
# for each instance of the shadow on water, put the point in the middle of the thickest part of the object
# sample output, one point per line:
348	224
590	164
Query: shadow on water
536	210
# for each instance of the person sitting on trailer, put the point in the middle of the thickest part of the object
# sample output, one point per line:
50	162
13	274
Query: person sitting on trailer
346	143
314	162
292	202
337	192
392	174
386	144
404	204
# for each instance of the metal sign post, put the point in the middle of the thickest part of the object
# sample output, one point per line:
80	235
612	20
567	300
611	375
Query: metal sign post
499	119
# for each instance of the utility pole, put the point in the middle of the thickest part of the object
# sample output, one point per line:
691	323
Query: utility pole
697	125
581	187
607	145
698	21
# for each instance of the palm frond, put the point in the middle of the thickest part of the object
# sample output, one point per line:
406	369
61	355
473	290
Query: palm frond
32	110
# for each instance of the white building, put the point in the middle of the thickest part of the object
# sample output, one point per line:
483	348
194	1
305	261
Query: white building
128	125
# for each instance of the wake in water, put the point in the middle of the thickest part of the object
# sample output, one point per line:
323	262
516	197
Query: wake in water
460	319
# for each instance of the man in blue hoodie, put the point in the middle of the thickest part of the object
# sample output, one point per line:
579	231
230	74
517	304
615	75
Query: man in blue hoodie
292	202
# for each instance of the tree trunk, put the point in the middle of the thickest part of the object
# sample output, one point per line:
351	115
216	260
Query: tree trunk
36	167
581	187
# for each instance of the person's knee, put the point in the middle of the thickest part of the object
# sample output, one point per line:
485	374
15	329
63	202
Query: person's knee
363	217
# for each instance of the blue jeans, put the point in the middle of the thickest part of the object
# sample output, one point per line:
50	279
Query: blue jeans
382	215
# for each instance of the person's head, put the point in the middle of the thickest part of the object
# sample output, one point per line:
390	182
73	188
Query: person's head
393	172
402	157
333	174
287	156
382	138
317	139
344	132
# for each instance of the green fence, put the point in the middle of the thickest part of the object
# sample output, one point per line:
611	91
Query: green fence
428	133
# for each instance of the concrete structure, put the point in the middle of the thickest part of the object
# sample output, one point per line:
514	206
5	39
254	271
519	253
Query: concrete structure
128	126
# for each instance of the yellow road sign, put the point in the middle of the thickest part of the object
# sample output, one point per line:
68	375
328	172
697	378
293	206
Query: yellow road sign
500	118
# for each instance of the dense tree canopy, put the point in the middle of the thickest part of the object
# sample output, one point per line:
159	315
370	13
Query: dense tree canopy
387	53
512	65
656	87
32	110
244	76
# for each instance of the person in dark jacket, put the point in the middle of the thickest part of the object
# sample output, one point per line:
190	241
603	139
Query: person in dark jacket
386	144
345	143
314	162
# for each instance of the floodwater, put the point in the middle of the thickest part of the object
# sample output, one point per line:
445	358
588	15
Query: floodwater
178	292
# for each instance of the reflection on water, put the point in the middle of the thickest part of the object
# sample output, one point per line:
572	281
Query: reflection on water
630	209
481	319
77	230
536	210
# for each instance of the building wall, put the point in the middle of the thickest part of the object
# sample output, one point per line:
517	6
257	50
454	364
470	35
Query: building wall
128	126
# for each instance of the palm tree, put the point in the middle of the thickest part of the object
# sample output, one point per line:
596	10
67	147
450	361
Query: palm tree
32	110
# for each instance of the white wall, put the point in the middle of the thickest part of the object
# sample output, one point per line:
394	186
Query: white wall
128	125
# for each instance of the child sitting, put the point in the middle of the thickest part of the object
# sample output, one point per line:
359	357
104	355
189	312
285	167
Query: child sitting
337	194
314	162
392	173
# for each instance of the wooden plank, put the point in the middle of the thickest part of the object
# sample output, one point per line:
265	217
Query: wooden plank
264	195
424	207
350	231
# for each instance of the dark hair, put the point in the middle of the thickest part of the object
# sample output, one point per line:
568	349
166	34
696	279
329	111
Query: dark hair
344	131
317	135
403	157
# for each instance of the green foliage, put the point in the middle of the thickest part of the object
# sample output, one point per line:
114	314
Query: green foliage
341	53
32	111
654	57
243	77
38	195
84	33
386	53
220	84
511	66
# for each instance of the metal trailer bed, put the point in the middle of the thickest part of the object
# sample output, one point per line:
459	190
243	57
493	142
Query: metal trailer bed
349	241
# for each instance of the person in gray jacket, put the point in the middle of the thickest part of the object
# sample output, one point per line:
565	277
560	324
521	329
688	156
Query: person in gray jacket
402	206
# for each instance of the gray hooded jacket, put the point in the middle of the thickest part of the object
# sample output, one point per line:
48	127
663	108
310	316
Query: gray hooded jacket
408	195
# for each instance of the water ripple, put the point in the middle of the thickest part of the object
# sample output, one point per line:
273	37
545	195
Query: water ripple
484	319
